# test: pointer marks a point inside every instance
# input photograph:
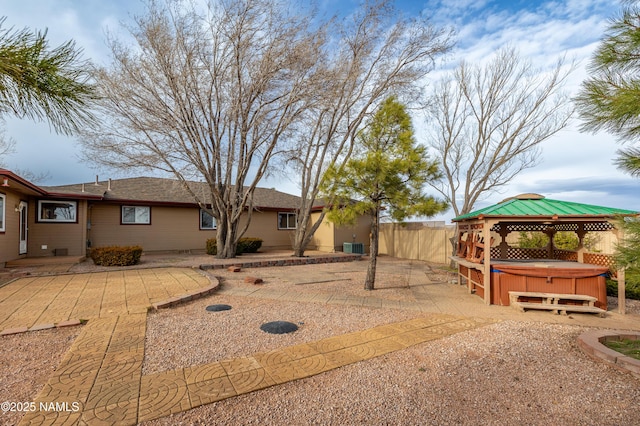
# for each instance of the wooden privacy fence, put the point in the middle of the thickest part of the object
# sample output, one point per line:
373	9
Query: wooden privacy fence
427	241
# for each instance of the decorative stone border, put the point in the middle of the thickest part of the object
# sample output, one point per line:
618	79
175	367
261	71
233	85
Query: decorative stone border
591	342
294	261
201	292
197	294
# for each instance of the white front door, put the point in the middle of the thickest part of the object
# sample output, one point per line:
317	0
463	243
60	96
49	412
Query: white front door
23	227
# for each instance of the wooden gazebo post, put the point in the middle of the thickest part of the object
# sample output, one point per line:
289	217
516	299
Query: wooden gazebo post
622	297
486	236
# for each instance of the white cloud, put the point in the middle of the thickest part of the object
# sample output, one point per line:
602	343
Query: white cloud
574	164
542	32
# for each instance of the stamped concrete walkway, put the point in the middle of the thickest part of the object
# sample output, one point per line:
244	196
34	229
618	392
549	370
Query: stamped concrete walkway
101	374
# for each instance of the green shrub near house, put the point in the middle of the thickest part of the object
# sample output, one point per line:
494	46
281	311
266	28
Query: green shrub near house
249	245
245	245
212	248
116	255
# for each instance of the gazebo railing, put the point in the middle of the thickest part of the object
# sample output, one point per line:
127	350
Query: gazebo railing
600	259
517	253
568	255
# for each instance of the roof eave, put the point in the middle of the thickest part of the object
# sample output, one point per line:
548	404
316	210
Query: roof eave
73	195
543	217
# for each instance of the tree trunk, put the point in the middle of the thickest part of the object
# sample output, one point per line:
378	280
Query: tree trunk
303	237
454	248
226	239
370	281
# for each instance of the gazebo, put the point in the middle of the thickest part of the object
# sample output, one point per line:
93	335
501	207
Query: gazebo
499	273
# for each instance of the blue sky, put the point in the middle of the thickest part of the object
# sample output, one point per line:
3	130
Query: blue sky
575	167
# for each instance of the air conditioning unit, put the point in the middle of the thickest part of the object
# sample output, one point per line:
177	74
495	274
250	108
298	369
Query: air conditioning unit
354	248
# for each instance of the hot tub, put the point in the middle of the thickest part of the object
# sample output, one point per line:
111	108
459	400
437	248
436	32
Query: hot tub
547	276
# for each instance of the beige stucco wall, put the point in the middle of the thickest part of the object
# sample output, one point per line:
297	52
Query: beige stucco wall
329	237
175	228
70	236
171	229
265	225
9	239
361	230
323	238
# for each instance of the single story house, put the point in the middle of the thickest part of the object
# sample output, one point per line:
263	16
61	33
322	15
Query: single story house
155	213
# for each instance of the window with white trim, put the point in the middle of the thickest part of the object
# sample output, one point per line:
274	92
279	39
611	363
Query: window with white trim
286	221
207	221
136	215
2	210
57	211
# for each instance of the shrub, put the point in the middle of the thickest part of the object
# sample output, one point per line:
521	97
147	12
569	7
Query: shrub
632	285
116	255
212	247
533	240
564	240
245	245
248	245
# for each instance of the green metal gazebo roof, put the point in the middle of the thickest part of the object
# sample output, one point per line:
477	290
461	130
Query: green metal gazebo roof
536	205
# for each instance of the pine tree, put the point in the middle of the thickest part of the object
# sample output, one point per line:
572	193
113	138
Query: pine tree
387	174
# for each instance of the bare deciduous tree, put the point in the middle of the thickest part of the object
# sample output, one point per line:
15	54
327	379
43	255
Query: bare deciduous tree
489	122
206	96
377	55
7	144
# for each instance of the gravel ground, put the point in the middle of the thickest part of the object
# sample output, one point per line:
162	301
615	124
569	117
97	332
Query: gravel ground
26	362
510	373
191	335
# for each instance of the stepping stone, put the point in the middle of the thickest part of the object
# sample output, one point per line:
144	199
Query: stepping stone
218	308
253	280
279	327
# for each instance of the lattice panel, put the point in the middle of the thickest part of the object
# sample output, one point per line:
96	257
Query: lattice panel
495	252
598	226
566	227
517	227
530	227
599	259
570	256
526	253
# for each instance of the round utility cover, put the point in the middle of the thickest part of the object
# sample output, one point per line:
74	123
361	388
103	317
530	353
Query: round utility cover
217	308
279	327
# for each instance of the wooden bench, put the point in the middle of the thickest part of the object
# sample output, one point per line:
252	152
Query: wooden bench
553	302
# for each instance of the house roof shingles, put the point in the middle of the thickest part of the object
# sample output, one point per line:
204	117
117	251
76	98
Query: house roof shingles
166	191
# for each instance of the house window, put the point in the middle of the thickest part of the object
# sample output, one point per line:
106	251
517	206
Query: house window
206	220
136	215
286	221
57	211
2	204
